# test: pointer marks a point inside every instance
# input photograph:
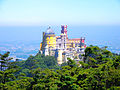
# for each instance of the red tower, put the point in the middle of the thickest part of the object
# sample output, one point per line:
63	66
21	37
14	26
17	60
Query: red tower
82	42
64	30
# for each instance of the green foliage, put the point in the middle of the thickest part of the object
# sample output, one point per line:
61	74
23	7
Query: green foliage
4	61
34	62
95	55
39	61
7	69
22	84
100	70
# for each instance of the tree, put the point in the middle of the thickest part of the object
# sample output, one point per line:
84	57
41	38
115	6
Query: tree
100	72
4	61
7	68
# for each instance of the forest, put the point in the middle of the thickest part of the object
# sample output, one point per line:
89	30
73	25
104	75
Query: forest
99	70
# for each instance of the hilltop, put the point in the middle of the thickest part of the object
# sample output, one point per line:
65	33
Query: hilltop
100	70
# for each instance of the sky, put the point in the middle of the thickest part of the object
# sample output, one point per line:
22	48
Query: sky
57	12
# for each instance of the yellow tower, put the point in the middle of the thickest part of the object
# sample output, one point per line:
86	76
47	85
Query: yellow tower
49	41
59	58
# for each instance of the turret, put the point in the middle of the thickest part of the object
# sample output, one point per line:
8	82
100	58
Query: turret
64	30
82	43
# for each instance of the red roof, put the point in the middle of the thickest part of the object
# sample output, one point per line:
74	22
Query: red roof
74	39
57	36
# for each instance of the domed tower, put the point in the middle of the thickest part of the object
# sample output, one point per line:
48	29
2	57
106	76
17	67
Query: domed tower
49	41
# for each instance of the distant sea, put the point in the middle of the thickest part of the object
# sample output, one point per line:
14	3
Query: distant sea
95	35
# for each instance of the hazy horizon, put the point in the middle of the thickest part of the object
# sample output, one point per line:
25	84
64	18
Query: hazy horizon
34	33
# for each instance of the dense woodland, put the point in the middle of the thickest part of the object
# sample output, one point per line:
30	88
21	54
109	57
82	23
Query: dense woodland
100	70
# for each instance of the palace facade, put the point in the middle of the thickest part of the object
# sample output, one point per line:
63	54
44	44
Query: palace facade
62	47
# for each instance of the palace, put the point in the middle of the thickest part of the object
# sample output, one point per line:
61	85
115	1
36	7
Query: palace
62	47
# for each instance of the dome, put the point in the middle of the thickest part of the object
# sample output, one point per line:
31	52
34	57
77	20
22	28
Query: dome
49	31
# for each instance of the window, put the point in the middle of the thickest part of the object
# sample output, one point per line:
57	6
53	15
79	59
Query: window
59	45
